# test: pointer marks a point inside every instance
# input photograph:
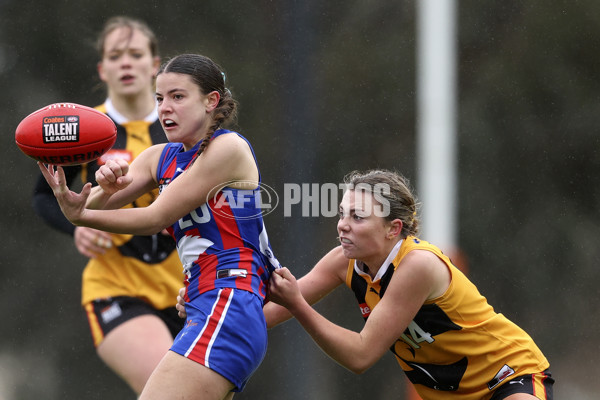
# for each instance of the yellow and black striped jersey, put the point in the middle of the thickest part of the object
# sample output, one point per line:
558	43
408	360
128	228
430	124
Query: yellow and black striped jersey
146	267
456	346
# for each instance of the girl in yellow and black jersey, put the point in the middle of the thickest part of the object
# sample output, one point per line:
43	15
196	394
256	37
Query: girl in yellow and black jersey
446	337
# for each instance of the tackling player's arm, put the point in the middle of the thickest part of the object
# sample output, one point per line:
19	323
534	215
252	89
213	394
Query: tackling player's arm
418	277
325	276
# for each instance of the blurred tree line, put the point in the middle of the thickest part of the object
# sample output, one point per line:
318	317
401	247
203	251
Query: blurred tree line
325	88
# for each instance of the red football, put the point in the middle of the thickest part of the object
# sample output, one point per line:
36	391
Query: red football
66	134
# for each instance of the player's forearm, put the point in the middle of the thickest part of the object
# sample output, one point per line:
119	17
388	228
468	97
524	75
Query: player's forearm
275	314
344	346
98	199
135	221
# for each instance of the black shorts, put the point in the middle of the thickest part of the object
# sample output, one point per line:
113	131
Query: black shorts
539	385
106	314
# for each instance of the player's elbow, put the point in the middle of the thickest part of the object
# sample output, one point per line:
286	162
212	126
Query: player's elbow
359	365
155	222
152	230
149	226
359	369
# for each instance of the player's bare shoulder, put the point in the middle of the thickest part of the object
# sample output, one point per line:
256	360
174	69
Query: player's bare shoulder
146	163
231	142
334	263
430	267
231	151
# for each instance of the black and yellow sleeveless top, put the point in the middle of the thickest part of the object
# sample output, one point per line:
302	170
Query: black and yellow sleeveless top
146	267
456	346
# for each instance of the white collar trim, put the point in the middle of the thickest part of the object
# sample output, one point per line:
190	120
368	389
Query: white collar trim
386	264
121	119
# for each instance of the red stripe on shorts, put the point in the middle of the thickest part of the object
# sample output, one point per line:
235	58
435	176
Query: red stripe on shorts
538	385
200	349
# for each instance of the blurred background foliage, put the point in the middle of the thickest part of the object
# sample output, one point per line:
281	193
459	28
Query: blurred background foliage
325	88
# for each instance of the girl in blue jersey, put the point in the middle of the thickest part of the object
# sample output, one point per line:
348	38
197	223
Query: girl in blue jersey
209	187
128	280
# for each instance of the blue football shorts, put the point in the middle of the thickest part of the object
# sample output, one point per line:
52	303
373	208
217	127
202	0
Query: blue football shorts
225	330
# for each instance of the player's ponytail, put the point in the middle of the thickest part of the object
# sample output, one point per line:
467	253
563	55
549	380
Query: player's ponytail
224	113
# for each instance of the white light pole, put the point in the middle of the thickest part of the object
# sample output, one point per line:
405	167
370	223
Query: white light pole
436	121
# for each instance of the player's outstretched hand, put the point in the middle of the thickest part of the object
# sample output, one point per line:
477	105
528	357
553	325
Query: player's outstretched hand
112	176
72	204
180	306
283	288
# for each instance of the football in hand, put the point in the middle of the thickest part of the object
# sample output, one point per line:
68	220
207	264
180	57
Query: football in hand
66	134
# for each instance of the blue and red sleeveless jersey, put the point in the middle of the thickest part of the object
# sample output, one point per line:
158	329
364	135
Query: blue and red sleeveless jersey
222	243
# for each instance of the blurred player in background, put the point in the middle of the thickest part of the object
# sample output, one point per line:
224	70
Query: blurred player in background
130	282
446	337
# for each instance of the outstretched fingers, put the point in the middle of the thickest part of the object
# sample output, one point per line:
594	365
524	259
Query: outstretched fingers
54	177
72	204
